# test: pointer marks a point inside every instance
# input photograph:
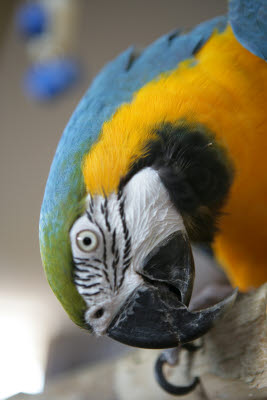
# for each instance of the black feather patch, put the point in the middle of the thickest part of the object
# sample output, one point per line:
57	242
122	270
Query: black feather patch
195	170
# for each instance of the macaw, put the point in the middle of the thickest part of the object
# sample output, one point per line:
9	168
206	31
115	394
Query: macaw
165	150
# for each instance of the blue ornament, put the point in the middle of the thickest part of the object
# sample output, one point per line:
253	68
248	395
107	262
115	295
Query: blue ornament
50	78
31	20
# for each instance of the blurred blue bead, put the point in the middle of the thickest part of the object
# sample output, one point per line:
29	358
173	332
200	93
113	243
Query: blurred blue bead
31	20
44	81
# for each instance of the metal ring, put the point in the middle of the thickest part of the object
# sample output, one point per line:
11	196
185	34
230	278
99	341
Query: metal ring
168	387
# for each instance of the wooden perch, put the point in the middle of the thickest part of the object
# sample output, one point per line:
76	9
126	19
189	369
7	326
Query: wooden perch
232	364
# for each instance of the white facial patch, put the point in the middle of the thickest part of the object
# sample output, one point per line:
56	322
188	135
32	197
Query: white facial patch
151	216
110	241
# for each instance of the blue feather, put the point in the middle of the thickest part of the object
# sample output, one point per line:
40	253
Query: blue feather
248	19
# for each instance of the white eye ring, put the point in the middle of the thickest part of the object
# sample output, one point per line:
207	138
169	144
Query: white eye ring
87	241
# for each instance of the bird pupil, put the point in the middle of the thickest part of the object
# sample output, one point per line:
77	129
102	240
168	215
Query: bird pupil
87	241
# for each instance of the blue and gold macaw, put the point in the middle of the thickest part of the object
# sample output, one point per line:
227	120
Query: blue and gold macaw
167	148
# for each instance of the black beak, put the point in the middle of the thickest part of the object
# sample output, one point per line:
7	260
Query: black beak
155	315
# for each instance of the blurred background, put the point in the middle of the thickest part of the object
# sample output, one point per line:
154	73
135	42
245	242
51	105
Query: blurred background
37	340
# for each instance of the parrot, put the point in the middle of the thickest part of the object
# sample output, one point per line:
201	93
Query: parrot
164	151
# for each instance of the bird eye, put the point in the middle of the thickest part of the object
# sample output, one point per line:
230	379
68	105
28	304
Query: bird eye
86	240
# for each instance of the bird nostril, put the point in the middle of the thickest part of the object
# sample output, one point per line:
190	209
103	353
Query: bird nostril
99	313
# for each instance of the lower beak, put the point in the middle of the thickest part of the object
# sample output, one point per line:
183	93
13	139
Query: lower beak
153	318
155	315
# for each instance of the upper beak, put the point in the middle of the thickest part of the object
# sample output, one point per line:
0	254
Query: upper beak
155	315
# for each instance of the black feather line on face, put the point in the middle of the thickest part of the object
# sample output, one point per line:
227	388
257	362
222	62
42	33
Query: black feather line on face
127	238
113	242
87	277
195	170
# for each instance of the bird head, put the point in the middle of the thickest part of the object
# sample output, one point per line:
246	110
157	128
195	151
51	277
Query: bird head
130	259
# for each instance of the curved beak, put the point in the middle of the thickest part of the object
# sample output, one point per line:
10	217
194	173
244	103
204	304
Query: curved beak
156	315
